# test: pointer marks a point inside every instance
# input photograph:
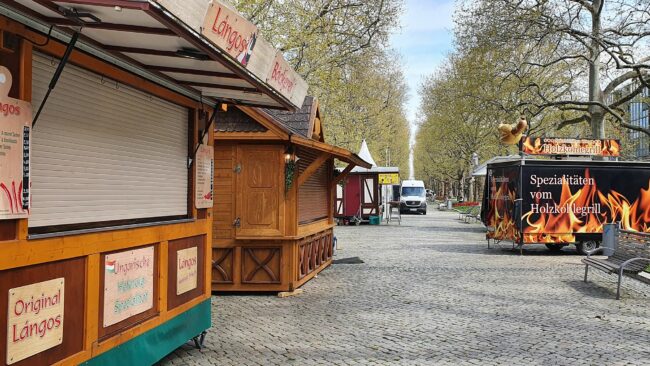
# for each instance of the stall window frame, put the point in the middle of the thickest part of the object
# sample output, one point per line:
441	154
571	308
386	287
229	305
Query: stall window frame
22	57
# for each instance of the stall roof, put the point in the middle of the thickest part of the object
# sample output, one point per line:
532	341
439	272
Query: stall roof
376	169
254	122
300	122
481	170
145	37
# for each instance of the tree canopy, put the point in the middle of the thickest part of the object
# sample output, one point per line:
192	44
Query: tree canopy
340	47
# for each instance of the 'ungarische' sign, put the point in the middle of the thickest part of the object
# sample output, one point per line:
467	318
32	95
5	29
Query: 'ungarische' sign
230	31
35	321
15	126
128	284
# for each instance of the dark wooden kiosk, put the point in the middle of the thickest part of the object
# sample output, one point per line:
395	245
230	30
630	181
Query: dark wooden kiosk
106	199
274	181
365	191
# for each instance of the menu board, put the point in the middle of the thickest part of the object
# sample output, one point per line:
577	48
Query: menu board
35	320
187	261
15	125
204	177
128	284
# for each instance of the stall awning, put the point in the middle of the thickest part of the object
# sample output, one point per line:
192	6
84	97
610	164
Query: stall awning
158	44
338	152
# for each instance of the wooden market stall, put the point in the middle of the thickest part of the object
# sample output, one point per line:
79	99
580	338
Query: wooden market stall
366	190
105	187
274	181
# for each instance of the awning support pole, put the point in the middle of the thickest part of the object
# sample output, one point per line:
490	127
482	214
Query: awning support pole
343	175
190	160
57	74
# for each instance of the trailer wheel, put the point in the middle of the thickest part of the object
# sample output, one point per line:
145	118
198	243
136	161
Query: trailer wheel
584	246
555	247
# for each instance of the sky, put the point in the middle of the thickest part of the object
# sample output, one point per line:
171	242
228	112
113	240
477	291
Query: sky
423	41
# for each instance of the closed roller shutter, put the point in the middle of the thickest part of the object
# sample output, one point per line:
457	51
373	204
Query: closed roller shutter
103	151
313	195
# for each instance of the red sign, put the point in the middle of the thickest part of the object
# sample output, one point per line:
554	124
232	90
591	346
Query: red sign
15	127
230	31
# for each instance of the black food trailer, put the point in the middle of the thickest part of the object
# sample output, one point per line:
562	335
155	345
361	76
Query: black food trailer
562	202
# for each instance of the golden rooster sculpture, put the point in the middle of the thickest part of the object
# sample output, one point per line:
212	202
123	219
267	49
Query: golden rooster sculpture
511	134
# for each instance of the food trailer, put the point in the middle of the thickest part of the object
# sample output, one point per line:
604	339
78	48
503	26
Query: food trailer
106	171
274	181
529	200
364	192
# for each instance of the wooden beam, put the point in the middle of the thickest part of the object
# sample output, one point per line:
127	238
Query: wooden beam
312	168
113	27
180	70
342	176
219	86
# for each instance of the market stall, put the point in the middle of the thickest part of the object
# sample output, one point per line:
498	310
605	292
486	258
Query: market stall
274	180
366	190
106	173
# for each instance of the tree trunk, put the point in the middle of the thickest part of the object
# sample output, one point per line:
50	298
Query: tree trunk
595	92
598	124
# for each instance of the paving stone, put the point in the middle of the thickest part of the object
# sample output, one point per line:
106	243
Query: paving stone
431	293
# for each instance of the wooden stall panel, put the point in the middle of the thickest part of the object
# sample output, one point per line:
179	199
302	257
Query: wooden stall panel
186	272
129	289
261	265
314	194
53	332
313	252
224	210
259	191
222	267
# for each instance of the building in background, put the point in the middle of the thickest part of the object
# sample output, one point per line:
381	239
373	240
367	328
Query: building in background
639	112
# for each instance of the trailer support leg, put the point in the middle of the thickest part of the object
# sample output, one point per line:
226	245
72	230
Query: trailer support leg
586	272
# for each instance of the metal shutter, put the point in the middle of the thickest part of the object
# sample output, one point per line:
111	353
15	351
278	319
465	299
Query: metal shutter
103	151
313	195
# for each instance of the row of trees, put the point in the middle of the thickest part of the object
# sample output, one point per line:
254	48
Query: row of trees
569	66
341	49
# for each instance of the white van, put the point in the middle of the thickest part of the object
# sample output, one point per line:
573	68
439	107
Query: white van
413	197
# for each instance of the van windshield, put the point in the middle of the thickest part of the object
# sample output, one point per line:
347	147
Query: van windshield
413	191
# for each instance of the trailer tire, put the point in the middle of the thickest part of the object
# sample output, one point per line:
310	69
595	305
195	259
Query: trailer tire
584	246
555	247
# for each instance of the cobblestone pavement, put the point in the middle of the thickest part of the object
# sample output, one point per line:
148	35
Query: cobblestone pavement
431	293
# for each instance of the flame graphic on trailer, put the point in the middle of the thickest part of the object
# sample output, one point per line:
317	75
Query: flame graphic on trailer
557	202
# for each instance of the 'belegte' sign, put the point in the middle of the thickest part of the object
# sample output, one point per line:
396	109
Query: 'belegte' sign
230	31
15	126
35	321
128	284
389	178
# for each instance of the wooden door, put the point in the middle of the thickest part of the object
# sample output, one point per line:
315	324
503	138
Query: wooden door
352	196
260	191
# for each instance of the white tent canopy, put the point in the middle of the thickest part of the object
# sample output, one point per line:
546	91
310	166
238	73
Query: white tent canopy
364	153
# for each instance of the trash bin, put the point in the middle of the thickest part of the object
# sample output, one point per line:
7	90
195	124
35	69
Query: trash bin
374	220
610	232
